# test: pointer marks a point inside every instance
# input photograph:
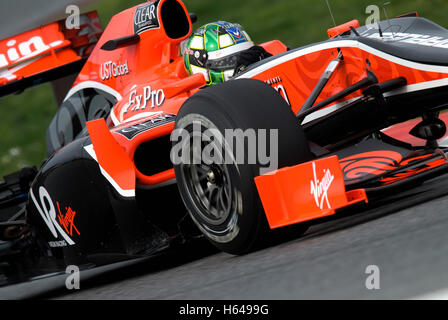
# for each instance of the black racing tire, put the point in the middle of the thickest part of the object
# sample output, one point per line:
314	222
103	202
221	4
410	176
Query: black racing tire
225	204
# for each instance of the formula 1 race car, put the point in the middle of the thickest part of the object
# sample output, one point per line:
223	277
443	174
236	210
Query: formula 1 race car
323	117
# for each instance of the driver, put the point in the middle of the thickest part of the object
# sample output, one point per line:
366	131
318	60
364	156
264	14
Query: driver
220	50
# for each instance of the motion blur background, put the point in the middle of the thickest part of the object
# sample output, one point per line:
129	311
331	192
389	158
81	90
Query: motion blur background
24	118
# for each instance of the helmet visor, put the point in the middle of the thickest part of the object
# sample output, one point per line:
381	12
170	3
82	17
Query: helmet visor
223	64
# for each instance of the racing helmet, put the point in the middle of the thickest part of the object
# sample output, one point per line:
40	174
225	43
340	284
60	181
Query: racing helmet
213	50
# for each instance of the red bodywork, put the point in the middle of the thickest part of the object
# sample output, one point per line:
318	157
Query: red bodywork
47	48
148	77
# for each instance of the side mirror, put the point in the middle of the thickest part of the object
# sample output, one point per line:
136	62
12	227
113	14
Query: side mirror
193	17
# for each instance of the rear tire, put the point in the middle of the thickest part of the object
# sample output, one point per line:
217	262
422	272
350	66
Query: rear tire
222	198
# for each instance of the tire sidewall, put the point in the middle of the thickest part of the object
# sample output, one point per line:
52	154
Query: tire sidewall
246	203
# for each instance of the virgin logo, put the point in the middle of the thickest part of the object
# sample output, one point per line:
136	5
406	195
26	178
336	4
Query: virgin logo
26	49
319	188
45	206
20	52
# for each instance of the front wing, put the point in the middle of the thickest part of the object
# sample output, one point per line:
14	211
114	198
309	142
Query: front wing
305	192
320	188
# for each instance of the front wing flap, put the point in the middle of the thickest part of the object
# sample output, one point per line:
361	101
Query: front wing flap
305	192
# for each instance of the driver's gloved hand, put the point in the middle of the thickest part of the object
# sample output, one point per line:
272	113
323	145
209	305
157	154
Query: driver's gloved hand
250	56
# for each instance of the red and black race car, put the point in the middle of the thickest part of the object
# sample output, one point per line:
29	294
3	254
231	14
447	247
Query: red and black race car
335	117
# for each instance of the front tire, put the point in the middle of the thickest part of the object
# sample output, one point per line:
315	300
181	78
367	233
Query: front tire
220	194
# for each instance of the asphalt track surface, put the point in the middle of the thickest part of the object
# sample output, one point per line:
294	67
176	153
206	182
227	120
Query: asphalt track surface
405	238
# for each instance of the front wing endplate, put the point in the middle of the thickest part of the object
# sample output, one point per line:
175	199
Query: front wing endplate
305	192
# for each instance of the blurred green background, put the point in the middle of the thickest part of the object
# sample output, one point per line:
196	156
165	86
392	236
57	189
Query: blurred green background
24	118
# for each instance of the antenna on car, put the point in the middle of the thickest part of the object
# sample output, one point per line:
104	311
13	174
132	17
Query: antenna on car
385	13
331	13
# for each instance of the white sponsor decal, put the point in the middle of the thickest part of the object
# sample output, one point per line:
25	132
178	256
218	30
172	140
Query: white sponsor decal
277	84
57	244
149	98
47	211
131	132
145	17
110	69
319	188
19	52
272	81
413	38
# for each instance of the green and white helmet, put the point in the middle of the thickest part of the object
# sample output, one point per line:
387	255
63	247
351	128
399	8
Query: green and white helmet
213	48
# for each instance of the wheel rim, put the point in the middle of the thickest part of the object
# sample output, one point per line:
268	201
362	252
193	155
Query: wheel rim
209	187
